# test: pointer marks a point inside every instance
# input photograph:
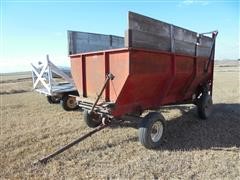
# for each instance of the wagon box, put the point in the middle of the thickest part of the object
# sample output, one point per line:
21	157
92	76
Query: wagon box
155	64
160	64
144	79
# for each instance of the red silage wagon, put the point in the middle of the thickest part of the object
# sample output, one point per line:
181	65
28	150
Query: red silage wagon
161	64
155	64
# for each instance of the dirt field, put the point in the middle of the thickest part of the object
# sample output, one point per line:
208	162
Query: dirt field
31	128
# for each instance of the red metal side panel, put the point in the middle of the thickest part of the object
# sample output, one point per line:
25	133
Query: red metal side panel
95	74
201	76
158	78
149	73
119	67
184	72
143	79
89	72
76	70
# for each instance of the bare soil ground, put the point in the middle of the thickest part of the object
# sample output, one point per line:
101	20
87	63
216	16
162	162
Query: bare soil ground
31	128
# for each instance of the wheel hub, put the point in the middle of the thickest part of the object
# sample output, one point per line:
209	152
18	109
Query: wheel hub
71	102
157	131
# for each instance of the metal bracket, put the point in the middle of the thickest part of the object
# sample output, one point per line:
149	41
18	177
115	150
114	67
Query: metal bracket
172	38
109	77
214	35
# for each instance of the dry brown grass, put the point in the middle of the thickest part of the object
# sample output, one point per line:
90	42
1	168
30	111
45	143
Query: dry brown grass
31	128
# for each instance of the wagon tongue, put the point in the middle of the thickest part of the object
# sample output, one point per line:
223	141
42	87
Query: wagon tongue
45	159
104	124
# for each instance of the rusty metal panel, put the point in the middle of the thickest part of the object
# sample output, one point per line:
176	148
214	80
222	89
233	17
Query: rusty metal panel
149	33
146	24
185	35
203	51
183	47
206	41
139	39
149	62
81	42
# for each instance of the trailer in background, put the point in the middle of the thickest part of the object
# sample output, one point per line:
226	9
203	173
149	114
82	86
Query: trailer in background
55	83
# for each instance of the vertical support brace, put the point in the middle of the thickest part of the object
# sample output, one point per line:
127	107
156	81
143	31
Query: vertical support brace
84	85
170	81
214	35
212	53
172	39
173	65
49	76
107	70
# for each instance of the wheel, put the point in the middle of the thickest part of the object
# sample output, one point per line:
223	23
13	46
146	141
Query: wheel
152	130
69	103
53	99
90	120
204	106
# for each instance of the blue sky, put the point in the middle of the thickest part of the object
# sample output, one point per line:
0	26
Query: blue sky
32	29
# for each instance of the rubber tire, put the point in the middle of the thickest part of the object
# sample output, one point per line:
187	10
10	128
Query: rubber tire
52	100
205	100
64	103
89	120
144	132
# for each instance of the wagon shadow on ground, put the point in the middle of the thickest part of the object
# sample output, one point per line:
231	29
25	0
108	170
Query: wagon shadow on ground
188	132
